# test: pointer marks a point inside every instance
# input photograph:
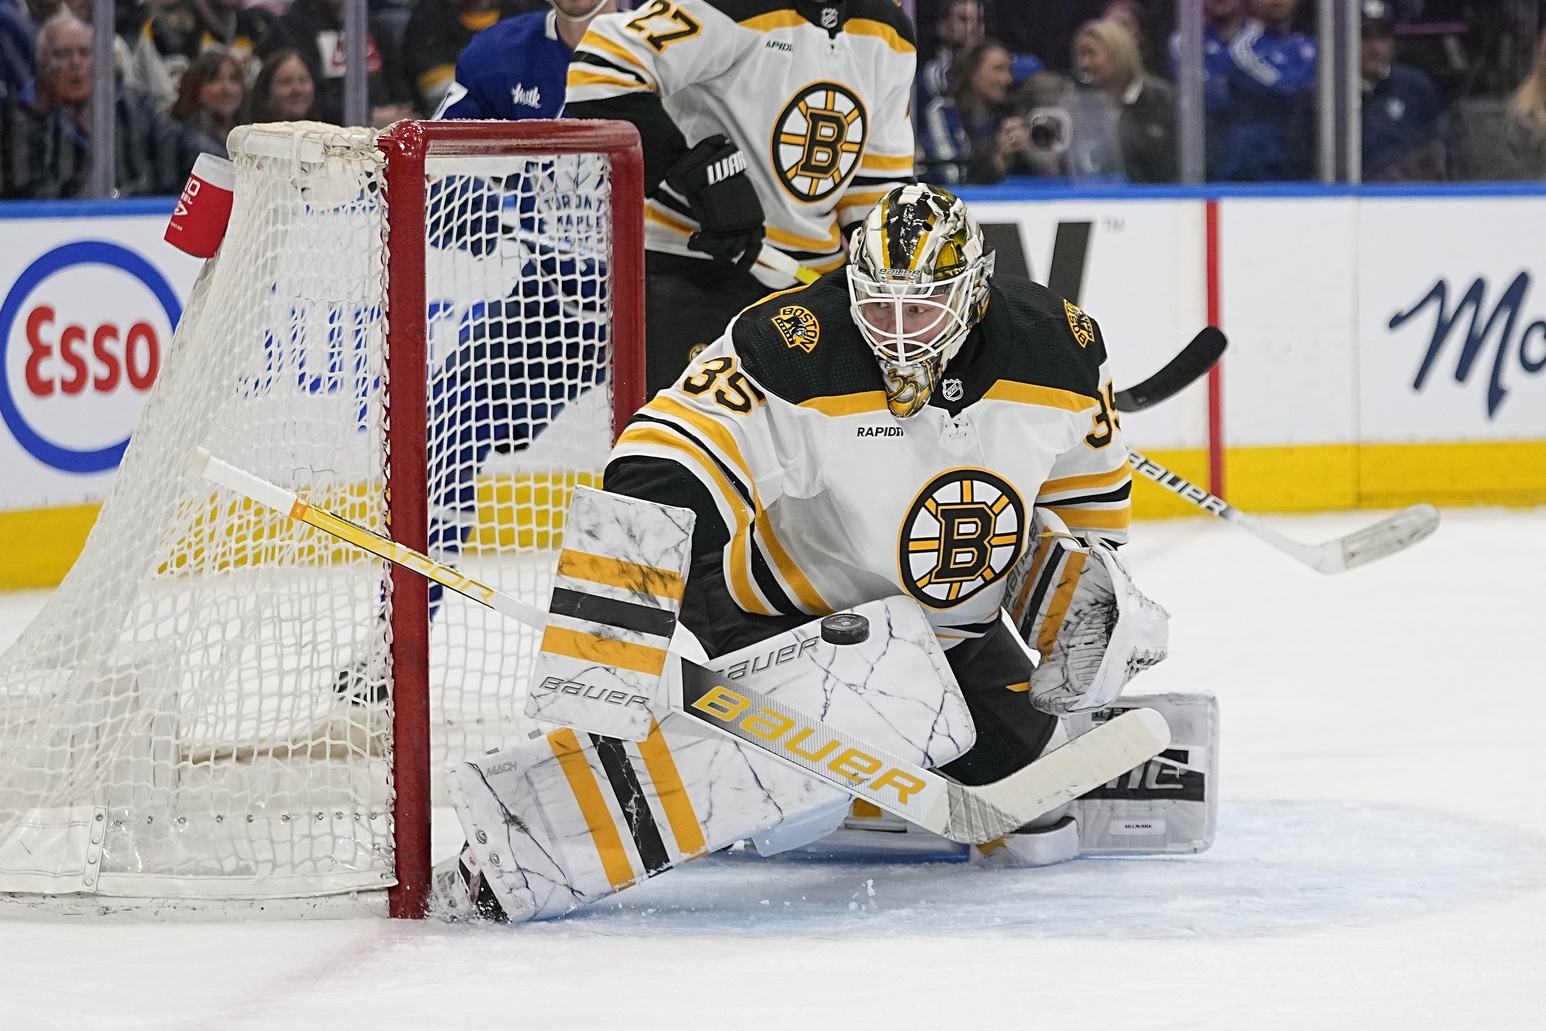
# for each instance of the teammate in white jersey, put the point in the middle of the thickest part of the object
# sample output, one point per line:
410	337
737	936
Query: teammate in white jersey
907	425
787	118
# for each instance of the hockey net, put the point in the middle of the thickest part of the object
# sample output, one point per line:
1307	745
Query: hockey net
434	332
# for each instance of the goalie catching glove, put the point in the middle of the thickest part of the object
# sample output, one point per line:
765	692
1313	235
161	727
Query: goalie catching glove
712	179
1076	605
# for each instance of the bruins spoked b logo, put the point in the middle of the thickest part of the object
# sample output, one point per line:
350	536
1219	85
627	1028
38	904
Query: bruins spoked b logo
817	139
960	535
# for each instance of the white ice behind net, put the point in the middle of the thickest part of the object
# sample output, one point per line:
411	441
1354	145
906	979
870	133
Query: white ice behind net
202	708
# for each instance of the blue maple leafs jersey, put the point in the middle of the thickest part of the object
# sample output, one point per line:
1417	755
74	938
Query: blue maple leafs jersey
513	70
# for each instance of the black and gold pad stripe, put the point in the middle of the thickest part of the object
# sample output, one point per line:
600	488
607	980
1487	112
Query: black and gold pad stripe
624	615
633	803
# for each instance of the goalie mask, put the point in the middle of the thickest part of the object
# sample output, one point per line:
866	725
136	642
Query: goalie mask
917	283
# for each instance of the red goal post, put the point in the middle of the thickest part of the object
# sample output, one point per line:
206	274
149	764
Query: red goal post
409	148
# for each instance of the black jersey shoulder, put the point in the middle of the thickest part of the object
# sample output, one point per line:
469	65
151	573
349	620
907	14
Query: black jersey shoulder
802	344
1031	335
887	12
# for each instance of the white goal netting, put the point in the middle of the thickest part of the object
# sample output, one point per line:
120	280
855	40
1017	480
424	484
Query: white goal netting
203	709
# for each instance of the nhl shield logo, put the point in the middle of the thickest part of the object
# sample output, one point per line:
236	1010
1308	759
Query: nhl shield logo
952	390
798	327
818	139
1082	326
961	533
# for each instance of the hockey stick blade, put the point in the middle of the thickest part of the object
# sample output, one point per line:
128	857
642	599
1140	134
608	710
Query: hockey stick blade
1193	361
1389	535
1386	537
963	813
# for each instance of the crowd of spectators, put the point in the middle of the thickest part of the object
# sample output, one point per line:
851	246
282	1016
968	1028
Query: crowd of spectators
1080	90
186	72
1091	96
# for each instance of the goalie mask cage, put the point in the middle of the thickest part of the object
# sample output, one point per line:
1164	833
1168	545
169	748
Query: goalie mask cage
435	331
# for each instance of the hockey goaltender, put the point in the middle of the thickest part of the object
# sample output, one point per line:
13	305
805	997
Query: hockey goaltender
924	454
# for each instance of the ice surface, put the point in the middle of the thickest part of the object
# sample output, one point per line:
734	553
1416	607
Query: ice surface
1381	860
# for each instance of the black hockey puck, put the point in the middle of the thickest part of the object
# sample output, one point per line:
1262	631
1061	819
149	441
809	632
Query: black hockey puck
845	628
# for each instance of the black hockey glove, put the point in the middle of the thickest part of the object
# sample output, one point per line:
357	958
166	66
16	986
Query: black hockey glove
712	178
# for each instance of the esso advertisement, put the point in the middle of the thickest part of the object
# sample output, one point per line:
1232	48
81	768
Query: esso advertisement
85	327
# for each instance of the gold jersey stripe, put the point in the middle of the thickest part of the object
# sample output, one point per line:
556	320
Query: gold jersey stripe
593	807
784	238
1095	518
583	76
1090	481
1047	397
653	213
772	20
886	162
737	566
435	77
848	404
608	651
672	792
615	572
1057	608
710	428
596	41
878	30
1021	688
794	578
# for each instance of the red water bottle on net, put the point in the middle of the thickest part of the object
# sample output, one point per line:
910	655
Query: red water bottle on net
204	208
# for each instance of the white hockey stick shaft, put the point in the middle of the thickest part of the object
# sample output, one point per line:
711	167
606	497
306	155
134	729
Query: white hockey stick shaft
775	259
961	813
1386	537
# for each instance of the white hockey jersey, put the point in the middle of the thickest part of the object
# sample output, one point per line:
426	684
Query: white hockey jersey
821	115
830	500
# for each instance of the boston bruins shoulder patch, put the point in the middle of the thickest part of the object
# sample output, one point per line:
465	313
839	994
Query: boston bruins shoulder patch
961	533
1082	326
798	327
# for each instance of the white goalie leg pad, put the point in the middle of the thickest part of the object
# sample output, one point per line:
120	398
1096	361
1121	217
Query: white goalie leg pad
1167	805
561	821
1075	603
614	608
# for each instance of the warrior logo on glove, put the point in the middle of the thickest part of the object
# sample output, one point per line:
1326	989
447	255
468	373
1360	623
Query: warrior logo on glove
961	534
818	139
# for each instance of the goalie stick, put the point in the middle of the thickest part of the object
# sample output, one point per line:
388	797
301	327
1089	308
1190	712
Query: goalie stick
1386	537
1188	366
962	813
